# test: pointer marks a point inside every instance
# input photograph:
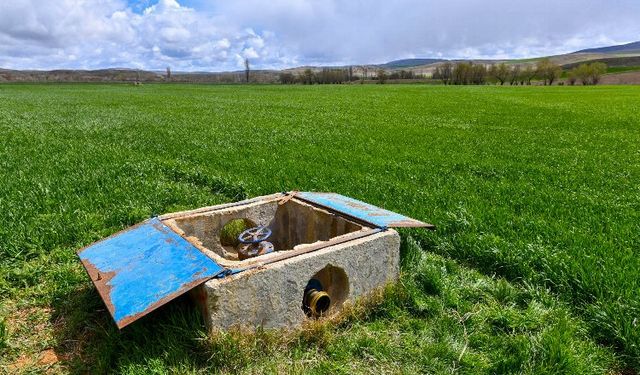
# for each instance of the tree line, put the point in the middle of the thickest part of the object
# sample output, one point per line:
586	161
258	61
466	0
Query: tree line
587	74
461	73
325	76
468	73
341	75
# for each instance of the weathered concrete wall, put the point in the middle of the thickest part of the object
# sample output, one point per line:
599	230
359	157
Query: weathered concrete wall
271	296
293	223
203	230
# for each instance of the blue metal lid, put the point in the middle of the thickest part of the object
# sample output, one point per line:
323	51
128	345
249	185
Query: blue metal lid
366	212
143	267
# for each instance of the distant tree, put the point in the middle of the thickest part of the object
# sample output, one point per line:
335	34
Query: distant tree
478	74
437	73
168	73
332	76
462	73
588	74
447	72
548	71
514	75
247	70
458	74
499	72
527	74
365	72
308	77
572	77
402	74
350	73
597	70
287	78
381	74
583	73
322	76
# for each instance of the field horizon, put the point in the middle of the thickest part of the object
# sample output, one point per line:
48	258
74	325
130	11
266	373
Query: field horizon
618	57
535	192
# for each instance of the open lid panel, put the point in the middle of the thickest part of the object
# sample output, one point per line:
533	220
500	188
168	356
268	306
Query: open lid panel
365	212
143	267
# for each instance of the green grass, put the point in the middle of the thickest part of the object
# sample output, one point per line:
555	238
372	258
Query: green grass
610	70
537	188
622	69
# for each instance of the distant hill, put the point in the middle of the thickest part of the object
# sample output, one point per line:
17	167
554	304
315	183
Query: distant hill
624	55
408	63
612	62
633	47
132	76
78	75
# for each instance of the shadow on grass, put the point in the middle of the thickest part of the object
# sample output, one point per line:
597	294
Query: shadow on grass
88	339
439	318
174	338
168	340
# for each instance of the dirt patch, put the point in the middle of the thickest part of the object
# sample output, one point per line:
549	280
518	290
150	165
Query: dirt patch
48	357
23	362
626	78
26	362
30	329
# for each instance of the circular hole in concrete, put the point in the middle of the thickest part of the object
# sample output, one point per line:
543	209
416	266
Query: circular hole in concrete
335	283
230	231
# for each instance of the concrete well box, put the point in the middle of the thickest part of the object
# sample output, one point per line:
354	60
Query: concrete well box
271	261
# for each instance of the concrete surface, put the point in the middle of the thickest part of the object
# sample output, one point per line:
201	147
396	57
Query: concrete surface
293	224
271	296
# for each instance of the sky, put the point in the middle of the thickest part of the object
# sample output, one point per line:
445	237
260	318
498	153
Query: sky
217	35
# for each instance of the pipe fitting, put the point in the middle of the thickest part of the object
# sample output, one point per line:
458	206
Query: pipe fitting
316	302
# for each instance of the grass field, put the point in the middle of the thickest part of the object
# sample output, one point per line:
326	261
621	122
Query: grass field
535	192
622	69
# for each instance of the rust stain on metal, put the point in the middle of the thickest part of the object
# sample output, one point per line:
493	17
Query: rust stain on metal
141	268
287	197
101	281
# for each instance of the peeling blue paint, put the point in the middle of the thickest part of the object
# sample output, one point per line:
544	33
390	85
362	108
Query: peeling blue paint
141	268
360	210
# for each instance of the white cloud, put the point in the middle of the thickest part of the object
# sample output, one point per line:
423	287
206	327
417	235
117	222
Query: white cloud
223	43
250	53
366	31
219	34
104	33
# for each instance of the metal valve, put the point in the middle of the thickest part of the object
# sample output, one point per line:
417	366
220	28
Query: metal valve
252	242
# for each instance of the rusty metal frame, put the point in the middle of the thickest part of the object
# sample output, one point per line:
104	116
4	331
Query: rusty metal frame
143	267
